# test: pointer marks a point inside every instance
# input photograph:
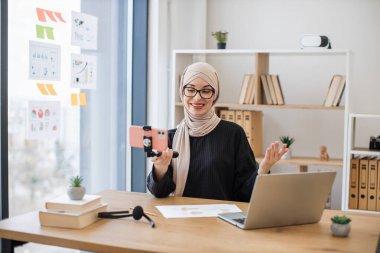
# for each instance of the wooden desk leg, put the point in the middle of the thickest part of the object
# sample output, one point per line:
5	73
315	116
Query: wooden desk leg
302	168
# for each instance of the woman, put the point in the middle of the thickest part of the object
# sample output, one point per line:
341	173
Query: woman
215	160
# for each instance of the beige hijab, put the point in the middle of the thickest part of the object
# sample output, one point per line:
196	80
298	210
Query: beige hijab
193	125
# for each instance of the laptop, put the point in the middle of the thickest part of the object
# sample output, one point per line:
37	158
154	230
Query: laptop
285	199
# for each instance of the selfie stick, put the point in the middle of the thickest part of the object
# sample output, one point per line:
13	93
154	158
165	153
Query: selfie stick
147	142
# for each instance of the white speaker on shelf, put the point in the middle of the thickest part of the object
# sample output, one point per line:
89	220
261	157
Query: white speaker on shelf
315	41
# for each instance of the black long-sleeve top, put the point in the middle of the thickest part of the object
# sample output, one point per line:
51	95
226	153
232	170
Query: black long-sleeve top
222	166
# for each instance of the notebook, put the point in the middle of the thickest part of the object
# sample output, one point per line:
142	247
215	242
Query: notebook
285	199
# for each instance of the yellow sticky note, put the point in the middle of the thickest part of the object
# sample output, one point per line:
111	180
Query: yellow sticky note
42	89
51	89
74	99
82	99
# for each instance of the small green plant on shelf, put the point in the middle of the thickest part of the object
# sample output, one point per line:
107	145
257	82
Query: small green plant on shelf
220	36
287	140
340	219
76	181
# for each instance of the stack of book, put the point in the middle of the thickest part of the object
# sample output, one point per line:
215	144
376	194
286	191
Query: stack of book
66	213
272	90
335	91
247	91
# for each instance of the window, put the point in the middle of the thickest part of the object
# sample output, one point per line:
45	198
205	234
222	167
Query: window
62	123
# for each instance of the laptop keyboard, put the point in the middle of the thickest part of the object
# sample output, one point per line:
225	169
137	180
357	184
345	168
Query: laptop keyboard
240	220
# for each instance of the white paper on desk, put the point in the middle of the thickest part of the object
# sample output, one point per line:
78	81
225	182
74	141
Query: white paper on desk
190	211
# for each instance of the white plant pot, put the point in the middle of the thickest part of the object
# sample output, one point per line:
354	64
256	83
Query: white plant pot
76	193
340	230
287	155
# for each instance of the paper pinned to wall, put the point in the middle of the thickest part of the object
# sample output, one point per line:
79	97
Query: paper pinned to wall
84	30
43	120
83	71
44	61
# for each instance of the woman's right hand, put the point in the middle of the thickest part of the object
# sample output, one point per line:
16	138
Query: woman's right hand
161	163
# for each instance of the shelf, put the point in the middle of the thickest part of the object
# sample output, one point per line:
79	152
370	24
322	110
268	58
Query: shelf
263	62
363	211
364	151
276	107
264	51
361	115
308	161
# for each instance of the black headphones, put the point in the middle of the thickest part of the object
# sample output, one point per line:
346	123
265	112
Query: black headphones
137	214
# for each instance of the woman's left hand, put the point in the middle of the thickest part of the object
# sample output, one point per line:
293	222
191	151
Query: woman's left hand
272	155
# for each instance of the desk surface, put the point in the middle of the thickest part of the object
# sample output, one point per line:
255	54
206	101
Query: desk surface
192	234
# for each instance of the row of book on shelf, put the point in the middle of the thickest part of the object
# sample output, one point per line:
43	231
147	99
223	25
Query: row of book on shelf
335	91
364	189
251	122
272	91
66	213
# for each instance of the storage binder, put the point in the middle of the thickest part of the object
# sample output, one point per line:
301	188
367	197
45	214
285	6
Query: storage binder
378	186
230	115
239	118
372	184
354	184
223	114
253	127
363	182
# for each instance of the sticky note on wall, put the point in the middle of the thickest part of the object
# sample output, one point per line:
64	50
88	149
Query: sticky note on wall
46	89
78	99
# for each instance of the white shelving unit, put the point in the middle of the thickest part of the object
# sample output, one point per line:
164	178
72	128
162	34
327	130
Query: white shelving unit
233	64
357	150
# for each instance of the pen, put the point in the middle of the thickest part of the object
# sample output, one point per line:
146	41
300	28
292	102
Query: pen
146	212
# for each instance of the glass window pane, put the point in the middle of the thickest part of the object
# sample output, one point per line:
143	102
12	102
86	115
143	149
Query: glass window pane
66	101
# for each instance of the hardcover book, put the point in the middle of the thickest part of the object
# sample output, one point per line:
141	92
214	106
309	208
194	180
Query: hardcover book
64	203
70	219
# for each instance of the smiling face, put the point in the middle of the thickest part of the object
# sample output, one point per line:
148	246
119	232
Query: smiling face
197	105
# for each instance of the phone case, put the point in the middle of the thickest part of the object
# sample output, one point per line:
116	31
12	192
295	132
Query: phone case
159	137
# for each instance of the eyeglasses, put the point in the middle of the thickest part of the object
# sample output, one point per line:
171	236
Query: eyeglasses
204	93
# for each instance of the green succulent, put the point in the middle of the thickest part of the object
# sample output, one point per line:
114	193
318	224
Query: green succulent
341	219
220	36
76	181
287	140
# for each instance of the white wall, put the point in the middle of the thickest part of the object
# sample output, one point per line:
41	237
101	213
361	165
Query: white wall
276	24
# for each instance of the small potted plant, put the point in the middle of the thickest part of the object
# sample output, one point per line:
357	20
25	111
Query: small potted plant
221	38
340	226
76	191
288	141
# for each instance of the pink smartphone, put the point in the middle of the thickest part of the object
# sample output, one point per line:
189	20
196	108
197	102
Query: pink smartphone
159	137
